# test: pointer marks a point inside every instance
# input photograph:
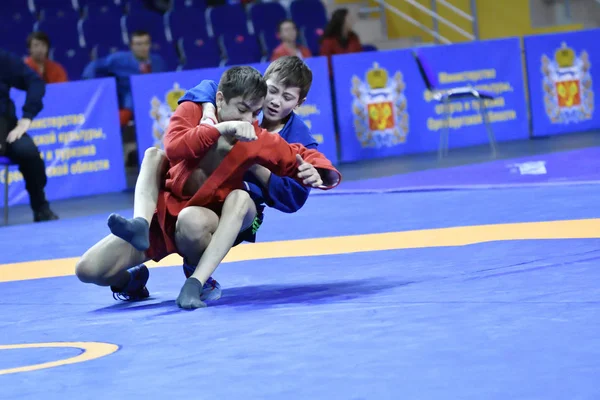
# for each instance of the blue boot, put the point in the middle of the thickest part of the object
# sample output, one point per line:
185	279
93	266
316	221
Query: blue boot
136	287
211	290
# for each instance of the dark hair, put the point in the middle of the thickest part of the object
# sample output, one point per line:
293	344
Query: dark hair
41	36
335	26
285	21
242	81
291	71
139	33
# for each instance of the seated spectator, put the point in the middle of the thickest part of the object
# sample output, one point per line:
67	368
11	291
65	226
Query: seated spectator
50	71
122	65
288	34
338	37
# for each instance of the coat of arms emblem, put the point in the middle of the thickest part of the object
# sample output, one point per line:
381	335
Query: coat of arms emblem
380	109
161	113
567	83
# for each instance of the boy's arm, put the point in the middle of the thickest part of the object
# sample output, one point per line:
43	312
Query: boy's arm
330	176
283	193
204	93
185	139
280	157
104	66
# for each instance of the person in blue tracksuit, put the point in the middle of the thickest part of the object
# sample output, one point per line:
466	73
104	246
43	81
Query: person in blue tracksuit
122	65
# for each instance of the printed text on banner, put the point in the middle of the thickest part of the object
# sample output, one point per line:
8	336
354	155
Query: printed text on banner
79	139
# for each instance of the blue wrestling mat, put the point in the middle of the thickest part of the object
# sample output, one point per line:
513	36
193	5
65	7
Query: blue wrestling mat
389	301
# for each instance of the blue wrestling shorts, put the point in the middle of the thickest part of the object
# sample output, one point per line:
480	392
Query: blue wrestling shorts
249	234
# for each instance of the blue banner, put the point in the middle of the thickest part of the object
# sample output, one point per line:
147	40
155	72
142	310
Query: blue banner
384	108
317	110
561	81
155	99
79	138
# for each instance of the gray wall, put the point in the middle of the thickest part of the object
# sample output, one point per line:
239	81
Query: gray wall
559	12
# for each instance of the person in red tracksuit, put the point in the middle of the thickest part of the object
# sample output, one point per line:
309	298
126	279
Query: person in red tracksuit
288	33
338	37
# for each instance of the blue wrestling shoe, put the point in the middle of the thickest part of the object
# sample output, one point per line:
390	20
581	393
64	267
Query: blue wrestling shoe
211	290
136	288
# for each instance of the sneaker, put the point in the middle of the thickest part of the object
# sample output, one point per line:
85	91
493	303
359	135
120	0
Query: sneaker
44	214
136	288
211	290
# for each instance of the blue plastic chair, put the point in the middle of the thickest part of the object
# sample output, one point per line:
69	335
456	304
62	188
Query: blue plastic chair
241	50
309	14
5	161
200	52
228	20
265	18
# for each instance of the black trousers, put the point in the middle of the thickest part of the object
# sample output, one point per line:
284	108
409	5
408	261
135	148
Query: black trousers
26	155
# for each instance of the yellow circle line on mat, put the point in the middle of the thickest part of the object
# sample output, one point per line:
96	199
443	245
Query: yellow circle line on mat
91	351
439	237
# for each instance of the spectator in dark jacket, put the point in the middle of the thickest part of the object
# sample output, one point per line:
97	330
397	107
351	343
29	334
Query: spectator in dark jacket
15	143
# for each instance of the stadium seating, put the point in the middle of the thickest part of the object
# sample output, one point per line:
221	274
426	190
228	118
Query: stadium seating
312	38
229	20
265	19
187	21
241	49
103	49
16	23
200	53
179	4
103	25
140	18
192	34
73	60
61	26
168	52
308	14
55	5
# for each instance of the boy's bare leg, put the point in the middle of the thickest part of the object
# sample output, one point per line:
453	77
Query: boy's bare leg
193	232
106	264
136	230
152	172
237	214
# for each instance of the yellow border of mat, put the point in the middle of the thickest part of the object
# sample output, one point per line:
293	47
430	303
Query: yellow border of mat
91	351
441	237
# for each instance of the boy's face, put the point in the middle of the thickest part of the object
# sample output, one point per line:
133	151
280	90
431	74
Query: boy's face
288	32
140	46
280	100
38	50
238	108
